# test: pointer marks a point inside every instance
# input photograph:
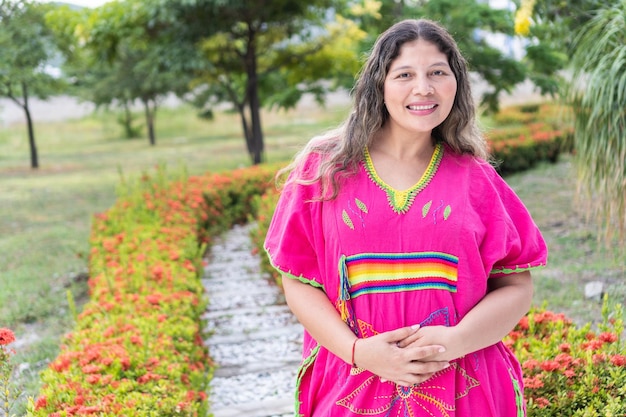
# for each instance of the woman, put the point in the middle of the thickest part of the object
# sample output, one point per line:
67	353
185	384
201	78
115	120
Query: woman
404	254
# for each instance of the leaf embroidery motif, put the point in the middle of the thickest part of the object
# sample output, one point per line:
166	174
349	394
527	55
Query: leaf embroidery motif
347	220
361	205
426	208
446	212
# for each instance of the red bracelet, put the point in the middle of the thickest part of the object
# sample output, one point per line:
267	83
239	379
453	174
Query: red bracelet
353	346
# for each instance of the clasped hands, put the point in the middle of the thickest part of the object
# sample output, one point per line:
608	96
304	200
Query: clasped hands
407	356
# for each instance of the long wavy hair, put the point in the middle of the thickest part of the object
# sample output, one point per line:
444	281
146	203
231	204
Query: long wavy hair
342	148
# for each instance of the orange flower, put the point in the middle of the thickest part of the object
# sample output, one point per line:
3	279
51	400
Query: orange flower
618	360
542	402
42	402
6	336
608	337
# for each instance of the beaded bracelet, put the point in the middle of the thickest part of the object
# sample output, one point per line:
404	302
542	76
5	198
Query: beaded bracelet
353	346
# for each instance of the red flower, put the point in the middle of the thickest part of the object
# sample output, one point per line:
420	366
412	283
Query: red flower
608	337
91	369
534	382
564	347
592	345
530	364
93	379
618	360
42	402
569	373
6	336
549	366
542	402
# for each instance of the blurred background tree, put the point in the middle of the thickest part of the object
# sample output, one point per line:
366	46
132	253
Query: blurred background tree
250	55
26	54
585	42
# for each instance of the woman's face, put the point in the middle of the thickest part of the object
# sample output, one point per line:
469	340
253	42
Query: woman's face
419	89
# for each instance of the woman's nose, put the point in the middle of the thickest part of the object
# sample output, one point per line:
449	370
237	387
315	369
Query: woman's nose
422	86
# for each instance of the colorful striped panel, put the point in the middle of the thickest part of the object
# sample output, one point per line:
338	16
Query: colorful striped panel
388	273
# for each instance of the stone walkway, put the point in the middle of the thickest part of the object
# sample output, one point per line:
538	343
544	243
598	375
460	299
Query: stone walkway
254	338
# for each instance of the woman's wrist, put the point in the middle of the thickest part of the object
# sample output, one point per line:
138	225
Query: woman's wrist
352	360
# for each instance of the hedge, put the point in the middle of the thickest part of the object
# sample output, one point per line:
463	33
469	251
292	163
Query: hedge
137	347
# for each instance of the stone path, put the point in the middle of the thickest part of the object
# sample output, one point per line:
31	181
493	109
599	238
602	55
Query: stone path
254	338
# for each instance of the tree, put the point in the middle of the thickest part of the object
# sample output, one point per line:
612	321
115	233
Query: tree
263	53
26	47
549	26
590	36
598	95
115	59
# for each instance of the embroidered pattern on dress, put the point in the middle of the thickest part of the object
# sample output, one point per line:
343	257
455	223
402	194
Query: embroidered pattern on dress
447	210
371	273
358	212
401	201
431	397
519	395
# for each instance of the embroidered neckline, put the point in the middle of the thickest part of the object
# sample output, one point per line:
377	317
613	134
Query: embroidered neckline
400	201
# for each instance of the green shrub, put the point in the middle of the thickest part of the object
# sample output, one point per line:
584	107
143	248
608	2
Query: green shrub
137	346
570	371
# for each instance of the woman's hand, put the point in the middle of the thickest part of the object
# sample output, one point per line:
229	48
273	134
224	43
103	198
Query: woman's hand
406	366
435	335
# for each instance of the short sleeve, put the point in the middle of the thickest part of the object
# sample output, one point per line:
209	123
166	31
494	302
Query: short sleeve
294	240
512	242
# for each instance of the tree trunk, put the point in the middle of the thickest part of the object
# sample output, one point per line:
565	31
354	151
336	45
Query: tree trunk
150	115
34	158
246	130
252	92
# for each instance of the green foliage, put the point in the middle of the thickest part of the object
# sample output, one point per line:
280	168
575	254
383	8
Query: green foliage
529	134
116	59
26	48
598	96
256	54
569	370
8	391
551	31
137	346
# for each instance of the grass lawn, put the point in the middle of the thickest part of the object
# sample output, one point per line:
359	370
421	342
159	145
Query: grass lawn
45	214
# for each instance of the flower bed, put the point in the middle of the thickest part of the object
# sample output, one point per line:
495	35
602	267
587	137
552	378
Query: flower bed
137	347
570	371
529	134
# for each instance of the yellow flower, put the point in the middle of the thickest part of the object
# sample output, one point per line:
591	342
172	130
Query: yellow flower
523	17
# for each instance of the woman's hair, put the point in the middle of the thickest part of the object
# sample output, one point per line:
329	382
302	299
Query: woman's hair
342	148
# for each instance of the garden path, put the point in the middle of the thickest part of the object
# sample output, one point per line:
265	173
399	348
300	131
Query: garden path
254	339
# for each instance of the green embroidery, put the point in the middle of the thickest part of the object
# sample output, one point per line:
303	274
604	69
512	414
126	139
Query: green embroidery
516	269
446	212
426	208
519	396
347	220
361	205
401	201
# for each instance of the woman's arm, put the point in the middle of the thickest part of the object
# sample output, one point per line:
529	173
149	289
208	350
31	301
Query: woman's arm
506	302
378	354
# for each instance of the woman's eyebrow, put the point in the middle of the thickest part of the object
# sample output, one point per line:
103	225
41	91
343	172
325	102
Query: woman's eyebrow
436	64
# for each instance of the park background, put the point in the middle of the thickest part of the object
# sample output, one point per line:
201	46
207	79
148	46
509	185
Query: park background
119	111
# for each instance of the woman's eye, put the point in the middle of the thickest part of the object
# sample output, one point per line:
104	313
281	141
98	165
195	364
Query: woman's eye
438	72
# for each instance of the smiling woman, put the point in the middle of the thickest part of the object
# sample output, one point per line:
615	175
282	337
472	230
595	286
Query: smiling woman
403	253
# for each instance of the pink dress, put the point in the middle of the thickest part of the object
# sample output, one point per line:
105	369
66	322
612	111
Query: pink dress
388	259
